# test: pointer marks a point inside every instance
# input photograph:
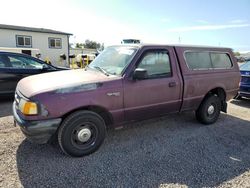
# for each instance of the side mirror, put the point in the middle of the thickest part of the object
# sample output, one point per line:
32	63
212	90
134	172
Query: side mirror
140	74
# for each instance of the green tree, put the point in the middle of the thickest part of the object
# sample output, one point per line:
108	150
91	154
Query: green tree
237	53
91	44
79	45
102	47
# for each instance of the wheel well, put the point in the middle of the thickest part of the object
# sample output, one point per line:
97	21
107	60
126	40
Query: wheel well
220	92
107	117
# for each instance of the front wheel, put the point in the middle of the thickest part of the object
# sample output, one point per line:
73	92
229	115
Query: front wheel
81	133
209	110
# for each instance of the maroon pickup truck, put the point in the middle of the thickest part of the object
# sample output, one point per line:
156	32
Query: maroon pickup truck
124	83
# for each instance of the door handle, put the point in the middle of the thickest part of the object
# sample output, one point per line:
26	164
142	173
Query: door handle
172	84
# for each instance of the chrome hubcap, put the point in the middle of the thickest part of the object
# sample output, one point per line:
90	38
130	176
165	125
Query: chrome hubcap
84	135
210	110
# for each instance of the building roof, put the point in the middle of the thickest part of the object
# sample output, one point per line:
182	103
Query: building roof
32	29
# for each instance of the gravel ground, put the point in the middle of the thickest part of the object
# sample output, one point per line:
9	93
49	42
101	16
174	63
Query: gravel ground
173	151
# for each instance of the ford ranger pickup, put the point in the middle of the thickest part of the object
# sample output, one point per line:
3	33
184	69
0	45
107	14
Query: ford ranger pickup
125	83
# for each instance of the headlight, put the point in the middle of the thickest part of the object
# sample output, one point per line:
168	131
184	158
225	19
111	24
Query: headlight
28	107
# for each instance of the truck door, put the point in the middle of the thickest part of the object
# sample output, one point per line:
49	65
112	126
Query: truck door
160	92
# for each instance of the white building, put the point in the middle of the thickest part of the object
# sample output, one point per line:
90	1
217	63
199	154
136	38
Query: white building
51	44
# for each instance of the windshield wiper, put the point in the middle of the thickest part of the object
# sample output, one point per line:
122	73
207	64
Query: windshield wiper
102	70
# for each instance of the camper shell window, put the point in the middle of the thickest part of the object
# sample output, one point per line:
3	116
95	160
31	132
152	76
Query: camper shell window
200	60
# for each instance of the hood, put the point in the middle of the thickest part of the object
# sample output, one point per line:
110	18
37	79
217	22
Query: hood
33	85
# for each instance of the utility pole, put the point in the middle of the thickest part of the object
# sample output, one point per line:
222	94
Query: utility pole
179	40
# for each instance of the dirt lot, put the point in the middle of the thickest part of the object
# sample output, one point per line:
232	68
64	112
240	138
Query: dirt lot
174	151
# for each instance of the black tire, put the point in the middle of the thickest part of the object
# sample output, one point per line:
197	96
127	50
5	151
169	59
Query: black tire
209	110
77	127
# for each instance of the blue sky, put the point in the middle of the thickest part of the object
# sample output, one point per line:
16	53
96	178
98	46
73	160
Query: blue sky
218	23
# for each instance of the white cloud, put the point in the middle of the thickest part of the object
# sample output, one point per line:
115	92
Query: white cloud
202	21
68	17
165	20
238	21
82	21
207	27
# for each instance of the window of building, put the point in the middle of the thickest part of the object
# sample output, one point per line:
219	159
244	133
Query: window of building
23	41
207	60
156	63
55	43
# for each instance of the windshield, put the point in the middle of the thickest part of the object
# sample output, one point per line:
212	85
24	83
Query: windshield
245	66
113	60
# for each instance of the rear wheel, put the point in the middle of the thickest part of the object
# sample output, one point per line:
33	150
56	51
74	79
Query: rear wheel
209	110
81	133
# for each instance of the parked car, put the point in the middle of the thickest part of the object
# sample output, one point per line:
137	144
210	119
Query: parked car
15	66
245	81
124	84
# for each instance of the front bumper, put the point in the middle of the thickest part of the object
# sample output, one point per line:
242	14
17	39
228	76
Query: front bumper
244	91
244	94
37	131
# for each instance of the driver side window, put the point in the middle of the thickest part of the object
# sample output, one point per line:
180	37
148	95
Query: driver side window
4	61
156	63
24	63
